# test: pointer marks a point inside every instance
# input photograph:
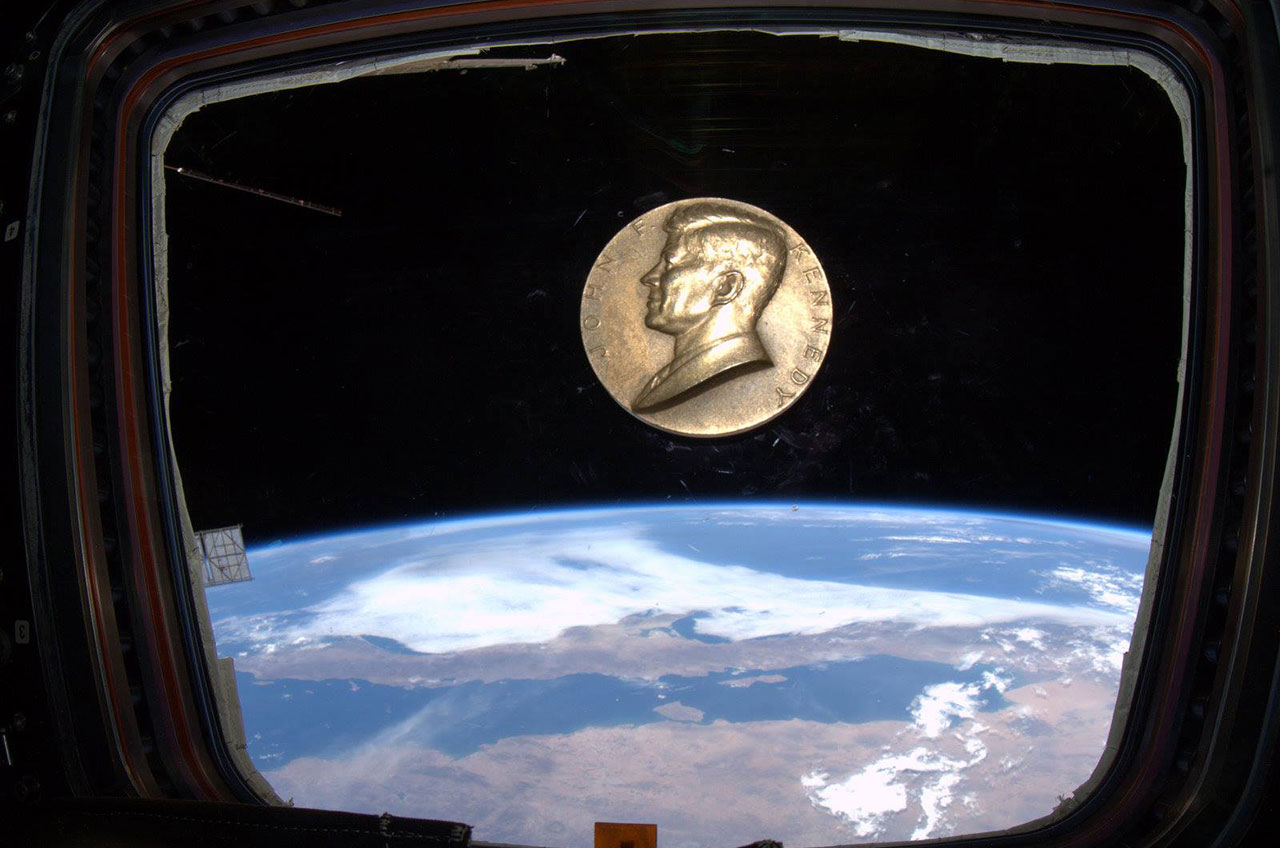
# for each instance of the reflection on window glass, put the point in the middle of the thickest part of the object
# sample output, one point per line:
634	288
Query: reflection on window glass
483	590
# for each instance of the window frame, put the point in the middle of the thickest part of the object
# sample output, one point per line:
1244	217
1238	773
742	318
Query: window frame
100	509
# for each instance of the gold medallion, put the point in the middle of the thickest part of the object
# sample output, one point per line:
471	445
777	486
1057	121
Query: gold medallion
706	317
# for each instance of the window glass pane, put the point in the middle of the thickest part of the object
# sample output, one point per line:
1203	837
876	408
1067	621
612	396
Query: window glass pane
483	589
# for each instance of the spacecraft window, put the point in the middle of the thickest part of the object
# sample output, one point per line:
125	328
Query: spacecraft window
484	589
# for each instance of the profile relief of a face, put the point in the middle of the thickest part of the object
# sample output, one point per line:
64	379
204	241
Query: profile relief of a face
718	271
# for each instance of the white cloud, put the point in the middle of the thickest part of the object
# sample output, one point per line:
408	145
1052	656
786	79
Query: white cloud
868	798
1104	650
932	540
864	798
934	709
1031	636
935	797
969	660
938	706
530	587
1105	583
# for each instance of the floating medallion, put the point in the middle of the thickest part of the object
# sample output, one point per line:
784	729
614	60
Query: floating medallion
706	317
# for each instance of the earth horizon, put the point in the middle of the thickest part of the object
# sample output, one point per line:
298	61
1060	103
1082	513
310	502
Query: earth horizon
816	673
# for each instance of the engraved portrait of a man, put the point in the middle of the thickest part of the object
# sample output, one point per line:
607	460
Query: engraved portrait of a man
718	270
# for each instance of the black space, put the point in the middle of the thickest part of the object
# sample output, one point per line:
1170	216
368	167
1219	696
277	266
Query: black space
1003	242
